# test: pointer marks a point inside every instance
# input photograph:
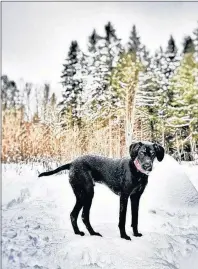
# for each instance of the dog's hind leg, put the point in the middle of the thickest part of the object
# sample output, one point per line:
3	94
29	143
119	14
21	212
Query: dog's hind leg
85	214
75	212
87	201
83	186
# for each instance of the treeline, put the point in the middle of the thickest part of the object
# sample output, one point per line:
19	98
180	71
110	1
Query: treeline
118	91
34	102
29	122
115	80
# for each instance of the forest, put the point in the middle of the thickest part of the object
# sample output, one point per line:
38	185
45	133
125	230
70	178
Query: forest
112	94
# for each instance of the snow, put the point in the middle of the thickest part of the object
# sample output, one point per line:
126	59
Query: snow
191	171
174	190
37	233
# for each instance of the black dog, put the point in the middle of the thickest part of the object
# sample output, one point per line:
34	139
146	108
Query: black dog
126	177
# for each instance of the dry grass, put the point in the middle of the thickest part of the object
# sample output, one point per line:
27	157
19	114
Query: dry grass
23	141
34	141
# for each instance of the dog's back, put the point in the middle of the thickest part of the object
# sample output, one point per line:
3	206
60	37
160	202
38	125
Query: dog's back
101	169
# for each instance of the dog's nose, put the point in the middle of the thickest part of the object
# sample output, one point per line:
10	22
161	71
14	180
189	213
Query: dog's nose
147	166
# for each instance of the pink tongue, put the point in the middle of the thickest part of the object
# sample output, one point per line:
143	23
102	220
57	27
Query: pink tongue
139	167
137	164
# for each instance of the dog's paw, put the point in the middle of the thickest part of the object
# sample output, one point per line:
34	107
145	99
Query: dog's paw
126	237
80	233
137	234
97	234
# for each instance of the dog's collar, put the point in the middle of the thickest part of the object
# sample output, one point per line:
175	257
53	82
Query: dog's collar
139	167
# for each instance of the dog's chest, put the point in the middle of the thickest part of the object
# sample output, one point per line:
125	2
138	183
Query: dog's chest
138	185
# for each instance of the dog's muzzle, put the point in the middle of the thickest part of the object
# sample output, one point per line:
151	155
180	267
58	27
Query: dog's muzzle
140	168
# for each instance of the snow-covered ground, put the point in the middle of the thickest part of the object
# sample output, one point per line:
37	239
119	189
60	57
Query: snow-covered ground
37	233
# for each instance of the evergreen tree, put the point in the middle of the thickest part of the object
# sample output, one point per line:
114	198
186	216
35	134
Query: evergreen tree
113	44
144	95
188	45
148	94
45	98
195	39
103	55
184	105
169	64
134	44
183	115
125	77
53	100
28	90
9	93
125	82
93	39
51	115
114	51
94	79
73	81
46	94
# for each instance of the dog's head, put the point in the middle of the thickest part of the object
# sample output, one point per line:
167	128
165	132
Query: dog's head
143	155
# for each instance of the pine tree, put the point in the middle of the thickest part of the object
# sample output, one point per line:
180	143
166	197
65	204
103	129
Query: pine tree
184	105
51	112
144	95
46	93
188	45
93	57
169	64
9	93
147	100
113	44
125	77
53	100
124	83
28	90
103	55
168	68
114	51
195	39
73	81
45	98
134	45
146	92
93	39
94	79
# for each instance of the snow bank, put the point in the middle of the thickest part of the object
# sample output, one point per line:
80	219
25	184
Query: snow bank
17	182
169	187
37	232
191	171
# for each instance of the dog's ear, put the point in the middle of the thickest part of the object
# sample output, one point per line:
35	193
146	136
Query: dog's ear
159	150
134	148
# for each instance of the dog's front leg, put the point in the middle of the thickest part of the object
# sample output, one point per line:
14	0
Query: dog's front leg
122	216
135	199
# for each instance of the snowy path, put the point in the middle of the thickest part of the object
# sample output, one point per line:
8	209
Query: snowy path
37	233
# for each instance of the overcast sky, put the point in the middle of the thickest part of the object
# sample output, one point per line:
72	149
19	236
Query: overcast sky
36	36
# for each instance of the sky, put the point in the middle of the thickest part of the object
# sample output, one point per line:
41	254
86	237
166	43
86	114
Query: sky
36	35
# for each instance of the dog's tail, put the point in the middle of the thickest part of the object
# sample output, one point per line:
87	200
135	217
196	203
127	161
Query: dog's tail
63	167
